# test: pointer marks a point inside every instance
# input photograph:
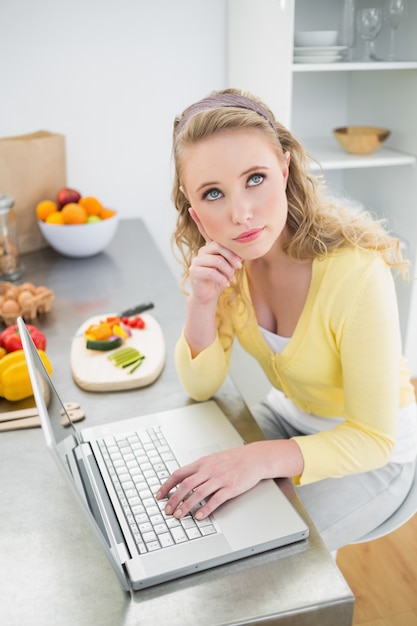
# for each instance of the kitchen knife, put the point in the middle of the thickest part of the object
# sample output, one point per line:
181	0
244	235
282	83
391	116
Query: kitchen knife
135	310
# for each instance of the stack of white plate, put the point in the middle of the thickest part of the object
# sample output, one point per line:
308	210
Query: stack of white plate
318	54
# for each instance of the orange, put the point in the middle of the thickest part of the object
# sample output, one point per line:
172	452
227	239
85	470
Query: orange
55	218
45	208
73	213
91	205
106	213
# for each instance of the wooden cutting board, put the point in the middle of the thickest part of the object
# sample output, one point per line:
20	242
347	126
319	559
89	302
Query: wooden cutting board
93	371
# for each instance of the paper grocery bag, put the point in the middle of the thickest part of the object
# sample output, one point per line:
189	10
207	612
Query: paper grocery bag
32	168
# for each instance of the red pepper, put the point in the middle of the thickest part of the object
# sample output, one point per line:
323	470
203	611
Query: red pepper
135	322
138	323
10	338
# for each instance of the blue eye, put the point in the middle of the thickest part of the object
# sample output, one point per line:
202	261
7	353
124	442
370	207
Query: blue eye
213	194
255	179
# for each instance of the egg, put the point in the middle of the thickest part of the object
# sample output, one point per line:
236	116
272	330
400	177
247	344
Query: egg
24	296
12	293
4	286
27	305
10	307
28	287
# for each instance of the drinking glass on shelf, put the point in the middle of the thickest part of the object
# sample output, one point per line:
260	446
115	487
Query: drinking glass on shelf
394	13
369	23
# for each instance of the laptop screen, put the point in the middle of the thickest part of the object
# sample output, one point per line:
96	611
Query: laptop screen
60	424
65	444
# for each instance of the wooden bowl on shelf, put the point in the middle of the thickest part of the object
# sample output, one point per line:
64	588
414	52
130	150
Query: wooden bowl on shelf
361	139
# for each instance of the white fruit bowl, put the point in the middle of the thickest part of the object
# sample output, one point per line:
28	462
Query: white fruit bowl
80	240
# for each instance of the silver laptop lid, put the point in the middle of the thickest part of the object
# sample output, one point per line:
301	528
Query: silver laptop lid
64	442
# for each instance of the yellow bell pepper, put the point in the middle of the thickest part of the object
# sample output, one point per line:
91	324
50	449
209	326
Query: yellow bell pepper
119	331
14	376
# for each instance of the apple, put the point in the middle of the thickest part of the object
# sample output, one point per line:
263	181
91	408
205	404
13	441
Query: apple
67	195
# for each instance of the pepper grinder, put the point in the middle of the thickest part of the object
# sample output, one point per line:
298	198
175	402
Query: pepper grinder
10	268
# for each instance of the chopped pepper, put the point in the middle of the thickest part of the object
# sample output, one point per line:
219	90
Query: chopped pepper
118	330
99	331
105	330
136	322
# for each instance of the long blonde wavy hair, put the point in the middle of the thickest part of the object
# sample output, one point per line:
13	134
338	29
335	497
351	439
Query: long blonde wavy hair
316	222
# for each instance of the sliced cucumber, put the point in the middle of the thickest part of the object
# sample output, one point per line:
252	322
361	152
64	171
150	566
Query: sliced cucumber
127	358
104	344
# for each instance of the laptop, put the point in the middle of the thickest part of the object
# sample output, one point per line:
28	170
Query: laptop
114	471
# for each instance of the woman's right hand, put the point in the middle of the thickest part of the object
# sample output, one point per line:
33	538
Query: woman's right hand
213	269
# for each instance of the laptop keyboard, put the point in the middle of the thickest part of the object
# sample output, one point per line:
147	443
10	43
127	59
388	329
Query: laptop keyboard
138	463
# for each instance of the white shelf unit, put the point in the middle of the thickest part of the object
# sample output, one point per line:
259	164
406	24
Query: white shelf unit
356	66
327	155
314	98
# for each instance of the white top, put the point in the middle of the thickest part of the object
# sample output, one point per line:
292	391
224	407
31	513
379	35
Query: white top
277	343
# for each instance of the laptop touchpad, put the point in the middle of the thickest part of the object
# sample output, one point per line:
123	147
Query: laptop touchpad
197	453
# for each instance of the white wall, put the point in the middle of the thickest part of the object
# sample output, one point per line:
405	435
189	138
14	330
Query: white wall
111	75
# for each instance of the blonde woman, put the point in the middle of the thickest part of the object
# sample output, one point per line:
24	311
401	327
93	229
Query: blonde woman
306	287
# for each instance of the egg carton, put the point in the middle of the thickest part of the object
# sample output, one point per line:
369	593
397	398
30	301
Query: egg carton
24	300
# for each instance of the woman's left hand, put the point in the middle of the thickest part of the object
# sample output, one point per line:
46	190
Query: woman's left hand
212	480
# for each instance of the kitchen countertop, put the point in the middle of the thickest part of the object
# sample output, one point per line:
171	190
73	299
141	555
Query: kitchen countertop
52	571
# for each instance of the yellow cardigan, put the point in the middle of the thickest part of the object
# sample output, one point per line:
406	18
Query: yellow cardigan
343	360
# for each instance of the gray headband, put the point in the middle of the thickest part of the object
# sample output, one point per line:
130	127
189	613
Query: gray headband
220	100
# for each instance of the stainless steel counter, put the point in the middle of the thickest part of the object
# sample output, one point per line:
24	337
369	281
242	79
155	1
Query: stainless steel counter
51	569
